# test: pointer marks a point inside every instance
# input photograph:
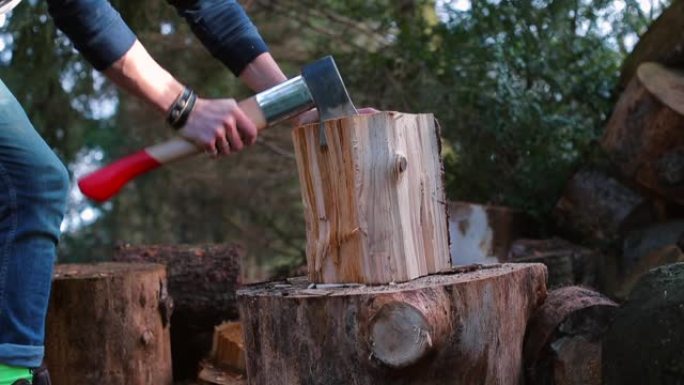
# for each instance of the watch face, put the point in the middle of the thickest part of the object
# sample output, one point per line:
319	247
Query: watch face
8	5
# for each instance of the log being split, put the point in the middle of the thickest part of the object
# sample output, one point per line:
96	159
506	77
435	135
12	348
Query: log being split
461	328
108	324
373	197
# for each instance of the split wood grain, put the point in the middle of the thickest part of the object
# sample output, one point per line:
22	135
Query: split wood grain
373	198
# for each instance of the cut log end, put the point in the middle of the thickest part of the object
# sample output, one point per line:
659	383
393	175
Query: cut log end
667	85
400	335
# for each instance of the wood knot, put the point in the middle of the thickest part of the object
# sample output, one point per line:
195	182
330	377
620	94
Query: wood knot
400	163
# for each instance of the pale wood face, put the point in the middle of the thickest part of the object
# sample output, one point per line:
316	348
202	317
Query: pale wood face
373	198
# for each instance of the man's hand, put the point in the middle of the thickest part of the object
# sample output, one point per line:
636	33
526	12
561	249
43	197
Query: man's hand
219	126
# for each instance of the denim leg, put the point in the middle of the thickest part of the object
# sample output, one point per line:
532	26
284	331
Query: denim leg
33	189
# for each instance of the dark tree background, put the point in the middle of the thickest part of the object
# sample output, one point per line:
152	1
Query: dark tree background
521	89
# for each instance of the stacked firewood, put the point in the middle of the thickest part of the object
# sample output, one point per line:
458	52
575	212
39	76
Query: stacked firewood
625	218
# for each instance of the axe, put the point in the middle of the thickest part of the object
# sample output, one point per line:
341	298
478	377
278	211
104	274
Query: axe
320	85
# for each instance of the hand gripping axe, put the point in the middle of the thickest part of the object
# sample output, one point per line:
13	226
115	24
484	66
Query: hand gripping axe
320	85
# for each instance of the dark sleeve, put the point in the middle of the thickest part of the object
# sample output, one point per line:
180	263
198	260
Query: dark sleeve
225	29
95	28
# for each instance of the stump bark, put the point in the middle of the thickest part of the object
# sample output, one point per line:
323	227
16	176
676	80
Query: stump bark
644	136
108	324
460	328
373	198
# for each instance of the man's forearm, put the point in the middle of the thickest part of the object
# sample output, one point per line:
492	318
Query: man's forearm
225	30
138	73
262	73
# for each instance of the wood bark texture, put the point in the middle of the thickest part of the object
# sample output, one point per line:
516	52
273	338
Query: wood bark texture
567	263
108	324
563	339
599	208
645	134
460	328
644	343
203	280
373	198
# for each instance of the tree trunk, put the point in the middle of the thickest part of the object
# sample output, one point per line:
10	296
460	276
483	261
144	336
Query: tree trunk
203	280
644	343
459	328
373	197
645	135
563	339
108	324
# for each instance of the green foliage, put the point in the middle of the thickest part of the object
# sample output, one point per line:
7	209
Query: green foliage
521	89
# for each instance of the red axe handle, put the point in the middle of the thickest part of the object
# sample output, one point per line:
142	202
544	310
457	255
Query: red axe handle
105	182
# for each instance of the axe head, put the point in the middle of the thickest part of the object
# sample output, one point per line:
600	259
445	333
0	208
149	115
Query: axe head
327	89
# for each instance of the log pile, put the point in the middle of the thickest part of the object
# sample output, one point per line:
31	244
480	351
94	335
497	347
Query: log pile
633	211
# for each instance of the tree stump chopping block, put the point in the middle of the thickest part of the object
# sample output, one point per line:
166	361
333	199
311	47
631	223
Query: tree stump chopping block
108	324
459	328
373	197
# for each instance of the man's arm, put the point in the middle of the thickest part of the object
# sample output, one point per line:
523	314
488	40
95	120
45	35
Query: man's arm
100	34
226	31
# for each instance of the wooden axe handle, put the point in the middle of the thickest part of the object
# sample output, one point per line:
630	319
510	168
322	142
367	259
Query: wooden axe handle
105	182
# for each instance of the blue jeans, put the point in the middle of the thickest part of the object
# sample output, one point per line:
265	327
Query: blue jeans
33	190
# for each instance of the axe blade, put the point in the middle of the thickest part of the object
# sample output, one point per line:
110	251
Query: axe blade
328	92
